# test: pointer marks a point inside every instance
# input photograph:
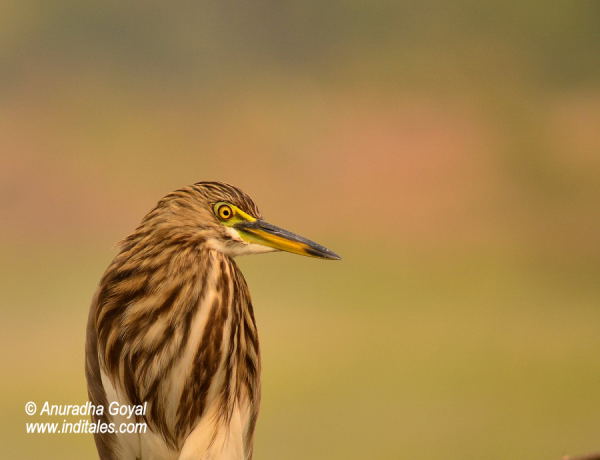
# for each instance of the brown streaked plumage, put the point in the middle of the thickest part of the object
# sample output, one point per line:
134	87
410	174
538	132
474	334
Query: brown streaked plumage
172	325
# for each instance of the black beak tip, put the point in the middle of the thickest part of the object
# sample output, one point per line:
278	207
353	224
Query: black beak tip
323	253
334	256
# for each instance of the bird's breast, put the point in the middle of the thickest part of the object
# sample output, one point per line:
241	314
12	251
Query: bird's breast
187	346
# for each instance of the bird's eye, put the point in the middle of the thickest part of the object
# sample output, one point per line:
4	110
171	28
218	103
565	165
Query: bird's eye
225	212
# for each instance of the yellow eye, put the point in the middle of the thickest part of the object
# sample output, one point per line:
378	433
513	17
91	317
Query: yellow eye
225	212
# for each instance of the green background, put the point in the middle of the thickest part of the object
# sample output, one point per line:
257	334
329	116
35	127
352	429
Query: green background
449	151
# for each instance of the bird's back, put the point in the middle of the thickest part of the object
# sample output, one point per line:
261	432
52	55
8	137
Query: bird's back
172	326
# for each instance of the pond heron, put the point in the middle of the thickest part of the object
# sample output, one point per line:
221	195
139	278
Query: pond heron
171	329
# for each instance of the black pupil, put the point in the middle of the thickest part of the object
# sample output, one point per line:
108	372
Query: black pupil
225	212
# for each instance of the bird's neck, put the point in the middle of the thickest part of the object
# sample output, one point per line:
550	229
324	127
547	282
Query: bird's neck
175	316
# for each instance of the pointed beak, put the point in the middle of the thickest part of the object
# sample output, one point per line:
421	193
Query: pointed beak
261	232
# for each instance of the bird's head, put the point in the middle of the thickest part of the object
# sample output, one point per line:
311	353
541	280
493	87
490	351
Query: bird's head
225	219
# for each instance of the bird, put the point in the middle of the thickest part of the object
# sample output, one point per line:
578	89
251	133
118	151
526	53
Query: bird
171	328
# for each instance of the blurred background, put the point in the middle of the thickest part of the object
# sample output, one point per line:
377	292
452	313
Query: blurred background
449	151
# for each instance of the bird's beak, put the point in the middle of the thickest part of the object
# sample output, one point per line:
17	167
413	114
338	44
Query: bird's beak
261	232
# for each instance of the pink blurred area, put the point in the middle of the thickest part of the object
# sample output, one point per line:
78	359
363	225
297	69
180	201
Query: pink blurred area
431	170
